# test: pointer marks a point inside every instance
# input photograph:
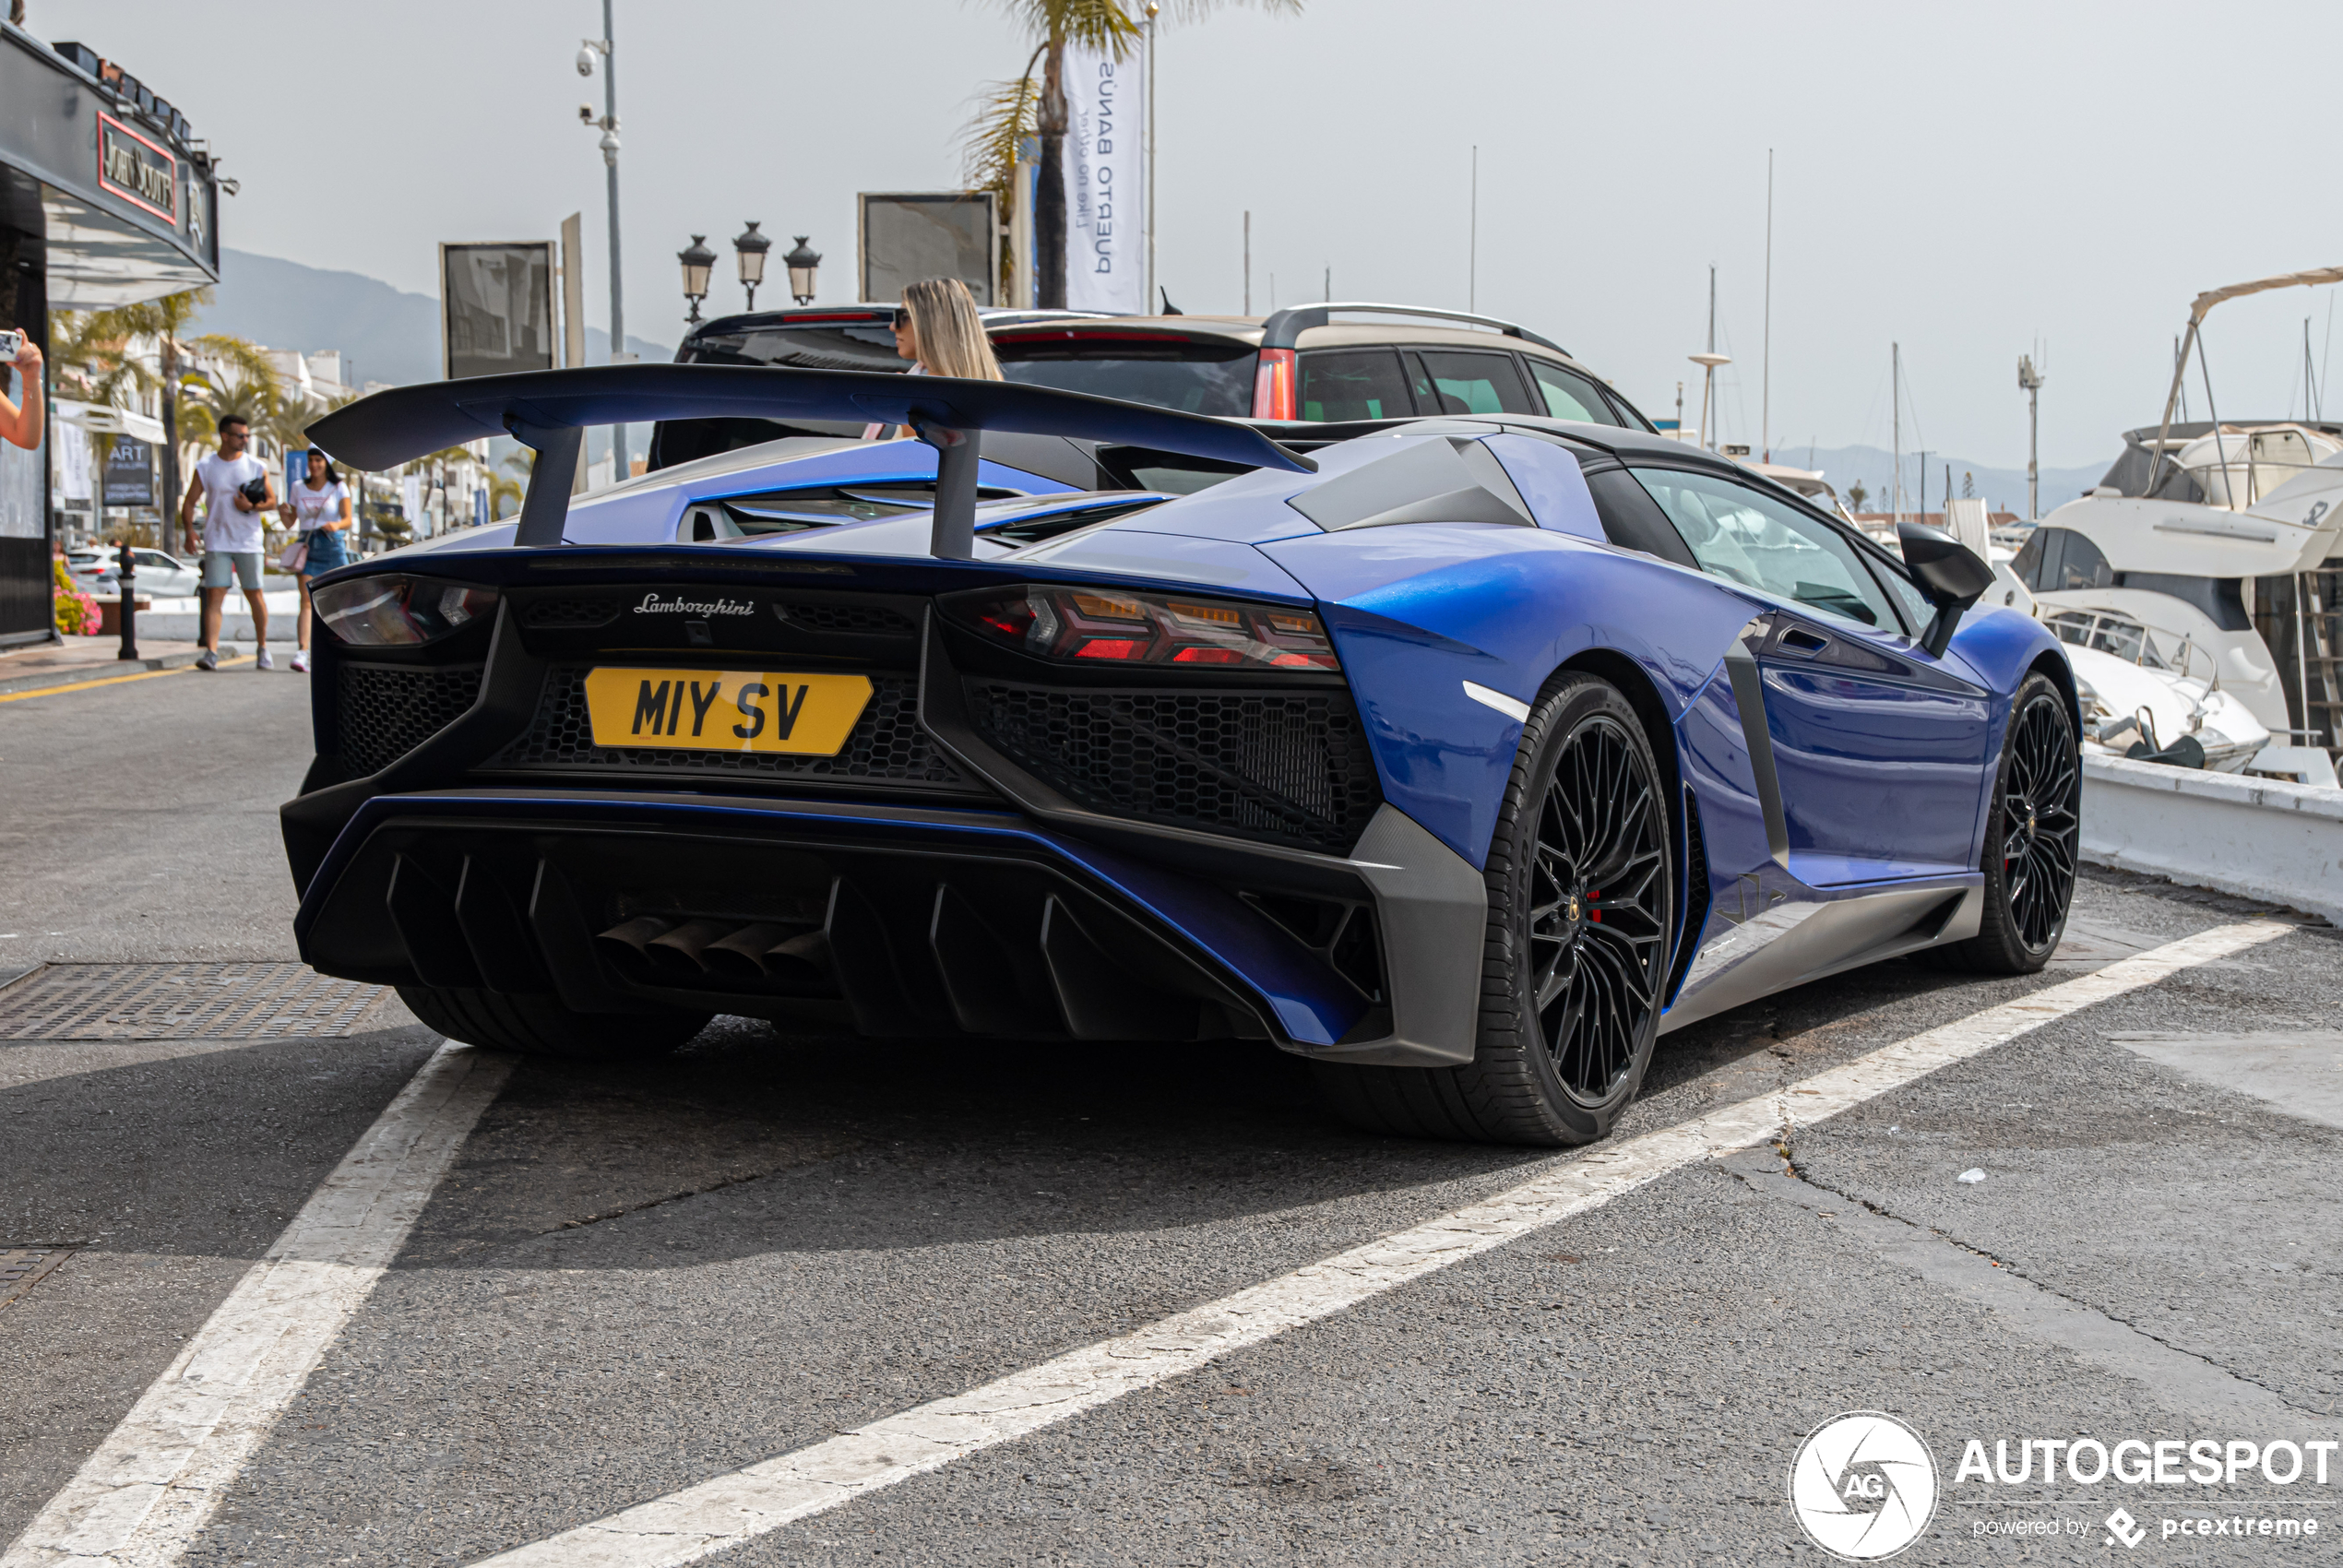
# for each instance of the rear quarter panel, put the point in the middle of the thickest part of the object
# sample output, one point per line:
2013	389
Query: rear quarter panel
1418	610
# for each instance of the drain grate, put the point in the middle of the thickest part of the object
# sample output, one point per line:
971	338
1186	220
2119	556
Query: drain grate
23	1268
180	1001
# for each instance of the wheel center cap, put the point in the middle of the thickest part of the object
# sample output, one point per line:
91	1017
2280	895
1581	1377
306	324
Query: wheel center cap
1570	910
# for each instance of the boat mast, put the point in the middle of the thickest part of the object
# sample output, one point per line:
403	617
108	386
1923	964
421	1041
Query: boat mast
1896	402
1766	370
1708	386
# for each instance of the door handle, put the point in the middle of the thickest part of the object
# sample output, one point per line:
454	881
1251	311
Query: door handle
1803	643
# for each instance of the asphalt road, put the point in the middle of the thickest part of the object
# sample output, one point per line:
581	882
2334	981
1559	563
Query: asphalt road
633	1280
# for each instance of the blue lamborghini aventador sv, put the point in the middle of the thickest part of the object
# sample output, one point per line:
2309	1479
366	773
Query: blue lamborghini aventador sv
1460	755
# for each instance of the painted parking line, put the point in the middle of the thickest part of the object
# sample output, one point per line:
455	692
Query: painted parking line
706	1518
160	1475
112	681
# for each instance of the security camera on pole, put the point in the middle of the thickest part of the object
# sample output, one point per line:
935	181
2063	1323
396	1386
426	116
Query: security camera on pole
608	124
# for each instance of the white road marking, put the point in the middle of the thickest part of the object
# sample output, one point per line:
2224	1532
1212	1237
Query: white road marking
158	1476
703	1519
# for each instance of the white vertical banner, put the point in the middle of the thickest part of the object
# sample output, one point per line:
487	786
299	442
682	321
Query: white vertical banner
1105	182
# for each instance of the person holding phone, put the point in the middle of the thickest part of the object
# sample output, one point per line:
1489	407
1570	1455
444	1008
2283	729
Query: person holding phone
320	508
235	488
20	423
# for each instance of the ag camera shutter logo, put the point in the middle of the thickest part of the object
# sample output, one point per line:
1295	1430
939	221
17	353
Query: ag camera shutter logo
1863	1486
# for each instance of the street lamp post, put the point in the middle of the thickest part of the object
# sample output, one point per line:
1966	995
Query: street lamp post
801	263
750	247
699	262
606	46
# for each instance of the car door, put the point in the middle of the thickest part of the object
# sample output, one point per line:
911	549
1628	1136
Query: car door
1879	748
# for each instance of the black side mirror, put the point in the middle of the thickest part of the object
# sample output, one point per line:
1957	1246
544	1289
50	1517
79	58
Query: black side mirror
1948	572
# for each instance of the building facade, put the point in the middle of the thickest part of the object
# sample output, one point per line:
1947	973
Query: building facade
106	198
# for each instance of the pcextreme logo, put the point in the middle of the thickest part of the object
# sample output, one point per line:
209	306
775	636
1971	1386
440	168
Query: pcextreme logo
1863	1486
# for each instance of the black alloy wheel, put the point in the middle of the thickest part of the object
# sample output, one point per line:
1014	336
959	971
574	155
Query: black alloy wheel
1597	914
1581	880
2033	839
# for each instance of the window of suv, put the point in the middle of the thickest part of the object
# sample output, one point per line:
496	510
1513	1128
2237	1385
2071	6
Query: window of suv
1194	375
1750	538
1353	383
1468	382
1570	396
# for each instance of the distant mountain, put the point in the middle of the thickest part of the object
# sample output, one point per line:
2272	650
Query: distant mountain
387	335
1845	466
383	333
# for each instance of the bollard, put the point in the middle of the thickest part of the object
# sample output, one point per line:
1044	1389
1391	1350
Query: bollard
125	570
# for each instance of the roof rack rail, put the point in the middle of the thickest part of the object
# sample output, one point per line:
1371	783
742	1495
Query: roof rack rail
1284	330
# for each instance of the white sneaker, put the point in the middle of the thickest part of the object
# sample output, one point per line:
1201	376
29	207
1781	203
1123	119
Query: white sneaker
301	663
262	660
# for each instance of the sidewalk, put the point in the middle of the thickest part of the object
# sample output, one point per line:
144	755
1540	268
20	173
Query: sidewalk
80	661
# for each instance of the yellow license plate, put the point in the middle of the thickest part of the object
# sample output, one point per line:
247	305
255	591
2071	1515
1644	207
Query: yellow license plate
725	710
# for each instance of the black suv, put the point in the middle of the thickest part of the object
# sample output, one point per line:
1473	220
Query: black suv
1297	364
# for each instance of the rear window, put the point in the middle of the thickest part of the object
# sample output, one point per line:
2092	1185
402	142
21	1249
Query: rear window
1195	375
857	346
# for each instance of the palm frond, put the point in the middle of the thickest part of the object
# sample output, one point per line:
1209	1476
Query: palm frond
1101	25
1182	11
1006	113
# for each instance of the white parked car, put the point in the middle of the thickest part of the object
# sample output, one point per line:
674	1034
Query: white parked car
159	575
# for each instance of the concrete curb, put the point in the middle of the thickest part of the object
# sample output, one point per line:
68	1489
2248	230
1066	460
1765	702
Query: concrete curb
57	680
2255	837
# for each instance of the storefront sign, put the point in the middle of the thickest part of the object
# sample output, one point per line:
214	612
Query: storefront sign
137	169
130	473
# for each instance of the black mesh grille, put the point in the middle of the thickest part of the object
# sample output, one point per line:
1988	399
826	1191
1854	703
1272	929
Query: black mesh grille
887	745
869	620
566	612
386	710
1288	767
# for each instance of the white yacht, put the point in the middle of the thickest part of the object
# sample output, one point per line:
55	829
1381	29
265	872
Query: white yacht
2204	544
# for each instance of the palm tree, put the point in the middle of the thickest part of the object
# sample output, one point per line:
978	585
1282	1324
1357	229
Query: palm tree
1012	110
164	320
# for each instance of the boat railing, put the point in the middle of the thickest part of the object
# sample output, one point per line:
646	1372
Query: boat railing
2128	639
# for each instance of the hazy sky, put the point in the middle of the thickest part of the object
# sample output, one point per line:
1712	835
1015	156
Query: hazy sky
1961	178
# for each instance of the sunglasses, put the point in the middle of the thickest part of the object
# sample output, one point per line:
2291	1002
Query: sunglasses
902	318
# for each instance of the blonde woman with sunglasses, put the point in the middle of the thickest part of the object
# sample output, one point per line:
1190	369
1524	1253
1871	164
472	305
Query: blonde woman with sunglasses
936	329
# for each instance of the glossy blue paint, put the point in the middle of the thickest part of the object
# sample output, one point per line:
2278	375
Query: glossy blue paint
1418	610
1310	1004
1165	557
1714	760
1877	767
1549	478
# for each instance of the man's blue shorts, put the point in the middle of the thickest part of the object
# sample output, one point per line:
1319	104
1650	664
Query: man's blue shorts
220	565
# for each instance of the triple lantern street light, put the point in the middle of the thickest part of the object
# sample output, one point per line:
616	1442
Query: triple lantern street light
750	247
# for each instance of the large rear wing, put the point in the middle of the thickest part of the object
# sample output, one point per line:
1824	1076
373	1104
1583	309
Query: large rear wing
549	411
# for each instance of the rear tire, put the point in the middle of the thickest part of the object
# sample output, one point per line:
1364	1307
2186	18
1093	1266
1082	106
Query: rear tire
2033	838
1581	913
539	1025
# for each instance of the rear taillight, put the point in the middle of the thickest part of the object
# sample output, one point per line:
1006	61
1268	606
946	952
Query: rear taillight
1273	396
1083	626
